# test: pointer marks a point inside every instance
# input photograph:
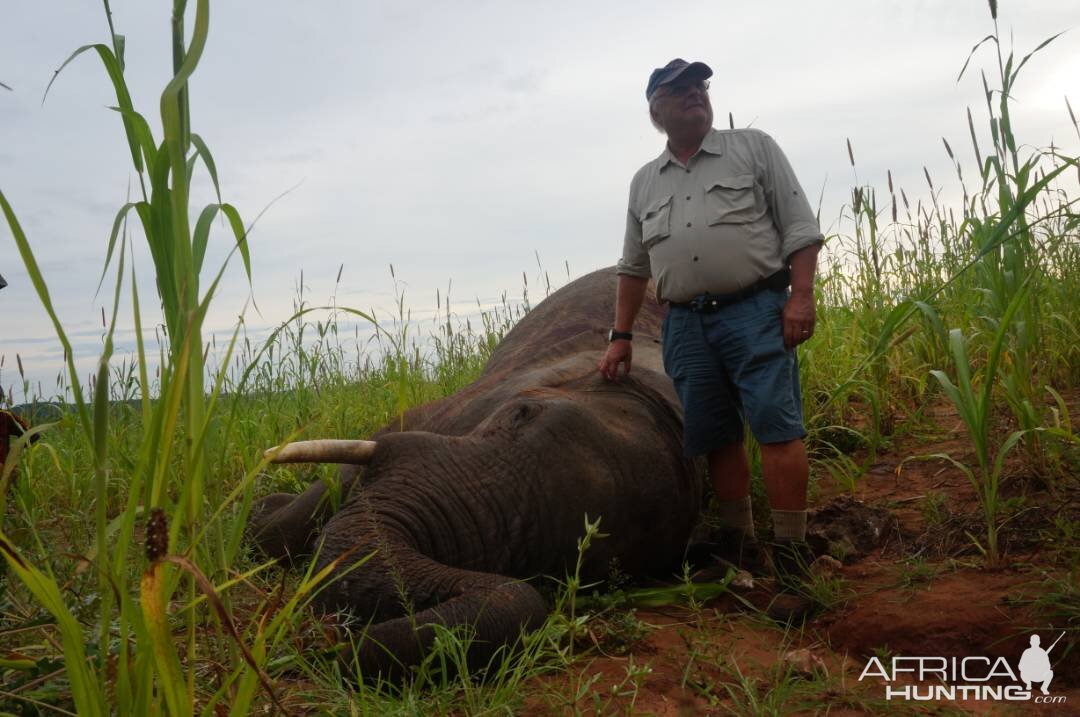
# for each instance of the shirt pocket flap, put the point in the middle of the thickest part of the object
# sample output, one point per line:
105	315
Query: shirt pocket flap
655	207
656	221
739	181
731	200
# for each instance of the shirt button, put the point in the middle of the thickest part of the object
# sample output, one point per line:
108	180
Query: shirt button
688	197
695	258
688	224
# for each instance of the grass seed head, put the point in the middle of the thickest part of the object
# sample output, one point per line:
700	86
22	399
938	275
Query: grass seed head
157	535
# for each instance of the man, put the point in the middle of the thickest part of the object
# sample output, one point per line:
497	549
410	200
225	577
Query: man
721	223
1035	665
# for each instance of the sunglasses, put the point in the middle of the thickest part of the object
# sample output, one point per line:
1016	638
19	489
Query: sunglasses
681	89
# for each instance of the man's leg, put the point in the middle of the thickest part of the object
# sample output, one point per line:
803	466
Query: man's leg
730	474
1046	682
786	471
747	339
713	426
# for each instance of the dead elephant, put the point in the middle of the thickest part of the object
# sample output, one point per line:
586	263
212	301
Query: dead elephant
478	494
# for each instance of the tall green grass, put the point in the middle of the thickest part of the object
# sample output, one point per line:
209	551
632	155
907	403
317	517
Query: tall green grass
137	665
921	305
978	302
173	470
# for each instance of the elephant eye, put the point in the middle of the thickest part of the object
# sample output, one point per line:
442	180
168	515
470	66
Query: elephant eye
525	413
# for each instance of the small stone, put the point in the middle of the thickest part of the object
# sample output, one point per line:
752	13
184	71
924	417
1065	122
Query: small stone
743	580
826	565
805	664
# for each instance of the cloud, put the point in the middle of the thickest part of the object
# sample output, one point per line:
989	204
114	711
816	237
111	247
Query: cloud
482	114
456	140
526	82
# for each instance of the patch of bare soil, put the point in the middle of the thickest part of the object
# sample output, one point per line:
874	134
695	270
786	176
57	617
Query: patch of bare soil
909	582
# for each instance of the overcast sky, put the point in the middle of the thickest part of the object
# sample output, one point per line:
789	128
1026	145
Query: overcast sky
458	140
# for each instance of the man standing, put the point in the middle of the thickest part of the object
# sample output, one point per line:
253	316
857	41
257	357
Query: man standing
721	223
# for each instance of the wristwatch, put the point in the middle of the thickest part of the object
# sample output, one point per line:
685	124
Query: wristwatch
612	335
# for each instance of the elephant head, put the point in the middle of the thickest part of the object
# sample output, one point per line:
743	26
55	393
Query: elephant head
454	525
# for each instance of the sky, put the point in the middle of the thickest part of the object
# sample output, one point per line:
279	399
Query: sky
474	145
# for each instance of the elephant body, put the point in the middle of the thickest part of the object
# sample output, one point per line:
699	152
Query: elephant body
468	498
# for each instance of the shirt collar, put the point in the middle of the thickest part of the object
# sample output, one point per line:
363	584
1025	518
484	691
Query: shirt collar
712	143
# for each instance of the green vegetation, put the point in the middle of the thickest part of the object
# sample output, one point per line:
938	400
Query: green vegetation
128	588
1000	276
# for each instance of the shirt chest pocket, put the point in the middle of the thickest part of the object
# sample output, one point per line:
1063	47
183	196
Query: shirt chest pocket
656	222
731	200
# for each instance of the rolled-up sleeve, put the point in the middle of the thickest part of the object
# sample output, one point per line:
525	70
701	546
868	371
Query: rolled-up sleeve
795	220
635	260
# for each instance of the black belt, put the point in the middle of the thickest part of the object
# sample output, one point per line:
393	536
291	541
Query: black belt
711	303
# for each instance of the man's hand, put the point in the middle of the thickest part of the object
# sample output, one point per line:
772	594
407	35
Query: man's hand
628	297
799	317
618	352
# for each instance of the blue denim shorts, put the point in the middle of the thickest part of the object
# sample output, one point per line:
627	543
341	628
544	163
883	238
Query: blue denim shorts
730	368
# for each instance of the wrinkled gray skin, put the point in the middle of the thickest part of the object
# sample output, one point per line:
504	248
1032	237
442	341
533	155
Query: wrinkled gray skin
481	492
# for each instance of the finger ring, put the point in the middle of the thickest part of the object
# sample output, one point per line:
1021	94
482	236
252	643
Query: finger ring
805	331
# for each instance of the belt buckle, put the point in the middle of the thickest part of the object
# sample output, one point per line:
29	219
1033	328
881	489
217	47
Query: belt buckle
705	304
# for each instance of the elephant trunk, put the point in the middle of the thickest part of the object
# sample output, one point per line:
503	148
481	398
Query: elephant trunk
490	612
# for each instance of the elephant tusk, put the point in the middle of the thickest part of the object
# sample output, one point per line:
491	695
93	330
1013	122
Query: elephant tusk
323	451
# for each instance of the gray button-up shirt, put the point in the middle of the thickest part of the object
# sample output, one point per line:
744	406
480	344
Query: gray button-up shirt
732	215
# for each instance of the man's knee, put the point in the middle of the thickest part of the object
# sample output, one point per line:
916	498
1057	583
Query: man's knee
730	448
783	446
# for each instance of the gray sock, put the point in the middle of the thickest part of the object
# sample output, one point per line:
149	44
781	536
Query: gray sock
736	515
789	524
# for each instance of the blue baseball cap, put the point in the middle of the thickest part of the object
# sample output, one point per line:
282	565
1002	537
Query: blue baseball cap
674	70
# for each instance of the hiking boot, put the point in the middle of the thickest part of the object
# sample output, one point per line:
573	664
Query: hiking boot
729	548
791	563
741	550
